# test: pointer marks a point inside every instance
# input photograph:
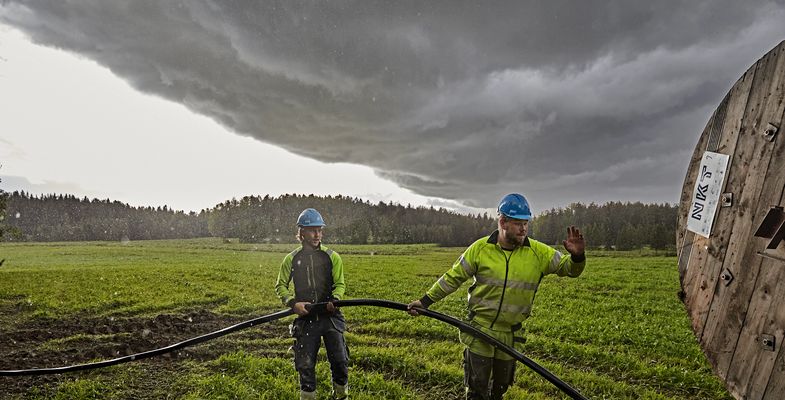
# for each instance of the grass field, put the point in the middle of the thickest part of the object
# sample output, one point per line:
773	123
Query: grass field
617	332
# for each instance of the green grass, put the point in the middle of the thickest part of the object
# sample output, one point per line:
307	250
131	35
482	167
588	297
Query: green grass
617	332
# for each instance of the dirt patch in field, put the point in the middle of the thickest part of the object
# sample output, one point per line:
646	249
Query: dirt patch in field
48	343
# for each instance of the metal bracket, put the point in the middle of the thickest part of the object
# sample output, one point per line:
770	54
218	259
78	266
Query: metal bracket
767	342
726	276
770	256
770	132
726	199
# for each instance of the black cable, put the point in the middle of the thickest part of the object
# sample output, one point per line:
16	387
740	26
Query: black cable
563	386
151	353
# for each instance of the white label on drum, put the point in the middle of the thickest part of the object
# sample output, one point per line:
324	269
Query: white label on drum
706	194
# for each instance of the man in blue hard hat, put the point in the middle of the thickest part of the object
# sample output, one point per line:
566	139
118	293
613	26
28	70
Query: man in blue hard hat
317	275
506	268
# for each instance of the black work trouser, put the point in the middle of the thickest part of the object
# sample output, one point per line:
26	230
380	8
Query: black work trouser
308	334
486	378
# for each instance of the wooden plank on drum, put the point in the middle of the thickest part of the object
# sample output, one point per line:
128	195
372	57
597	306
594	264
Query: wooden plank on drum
775	388
686	239
683	236
752	365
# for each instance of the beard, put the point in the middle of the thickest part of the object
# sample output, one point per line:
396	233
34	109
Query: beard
513	239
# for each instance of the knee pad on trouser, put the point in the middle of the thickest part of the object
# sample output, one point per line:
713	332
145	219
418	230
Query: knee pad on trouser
307	395
340	392
338	355
305	365
502	377
476	375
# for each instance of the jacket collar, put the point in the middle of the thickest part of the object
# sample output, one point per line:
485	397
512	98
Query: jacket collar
494	239
306	249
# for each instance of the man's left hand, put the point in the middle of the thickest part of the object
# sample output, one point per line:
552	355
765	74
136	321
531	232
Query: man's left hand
331	308
575	244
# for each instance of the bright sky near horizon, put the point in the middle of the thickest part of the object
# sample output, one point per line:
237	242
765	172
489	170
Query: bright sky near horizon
70	126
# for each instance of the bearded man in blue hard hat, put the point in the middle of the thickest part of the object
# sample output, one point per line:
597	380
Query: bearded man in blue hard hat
317	275
506	268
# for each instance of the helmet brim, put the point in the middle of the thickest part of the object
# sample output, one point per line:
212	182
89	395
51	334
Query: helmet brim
519	216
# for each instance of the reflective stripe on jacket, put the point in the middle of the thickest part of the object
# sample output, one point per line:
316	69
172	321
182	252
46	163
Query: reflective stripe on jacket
317	276
504	282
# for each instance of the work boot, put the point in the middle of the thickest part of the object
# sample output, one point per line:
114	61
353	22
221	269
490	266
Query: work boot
340	392
307	395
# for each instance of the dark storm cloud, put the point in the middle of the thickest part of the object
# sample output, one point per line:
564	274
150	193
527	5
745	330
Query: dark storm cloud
563	101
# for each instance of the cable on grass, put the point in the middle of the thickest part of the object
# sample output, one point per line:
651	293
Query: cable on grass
464	327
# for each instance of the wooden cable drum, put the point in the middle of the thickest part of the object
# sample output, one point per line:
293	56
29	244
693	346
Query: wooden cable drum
730	234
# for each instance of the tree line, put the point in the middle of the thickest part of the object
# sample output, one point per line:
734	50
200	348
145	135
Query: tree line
349	220
266	219
3	201
613	225
58	217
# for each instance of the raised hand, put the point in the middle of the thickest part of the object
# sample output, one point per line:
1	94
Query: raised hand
575	244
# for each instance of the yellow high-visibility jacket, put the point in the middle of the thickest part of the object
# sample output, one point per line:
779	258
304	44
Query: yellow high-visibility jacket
505	282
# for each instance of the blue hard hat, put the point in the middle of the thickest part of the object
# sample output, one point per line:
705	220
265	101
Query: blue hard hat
310	217
515	206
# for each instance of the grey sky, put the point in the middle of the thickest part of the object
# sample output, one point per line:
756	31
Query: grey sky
562	101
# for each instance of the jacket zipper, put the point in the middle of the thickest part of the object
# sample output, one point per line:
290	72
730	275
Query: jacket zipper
504	287
311	278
